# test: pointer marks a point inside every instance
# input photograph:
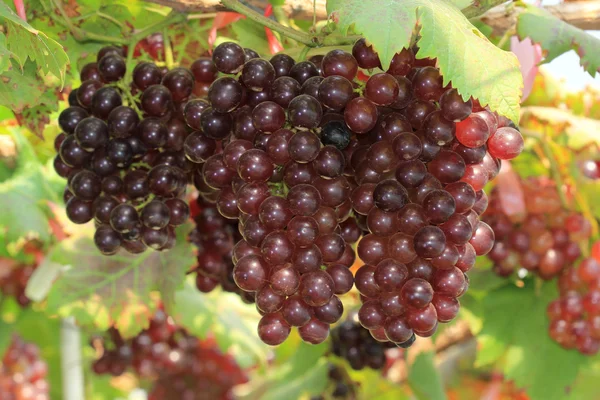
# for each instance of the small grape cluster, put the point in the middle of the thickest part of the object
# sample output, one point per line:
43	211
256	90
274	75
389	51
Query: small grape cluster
14	281
543	240
126	169
309	158
340	386
214	237
23	373
354	343
575	315
181	365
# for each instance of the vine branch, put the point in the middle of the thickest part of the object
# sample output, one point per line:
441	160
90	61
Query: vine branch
481	7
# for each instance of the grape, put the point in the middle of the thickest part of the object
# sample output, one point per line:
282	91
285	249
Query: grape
449	282
107	240
216	125
372	248
85	185
453	107
338	62
106	50
268	301
225	94
482	239
314	331
303	70
70	118
316	288
429	242
360	115
463	194
306	259
198	148
457	229
179	211
389	195
311	86
411	173
268	117
122	122
472	132
336	133
163	180
371	315
204	70
276	248
438	130
146	74
257	74
343	279
335	92
427	84
91	133
229	57
401	248
330	162
285	281
79	211
282	63
104	101
124	218
407	146
250	273
446	307
417	111
331	246
90	71
417	293
381	157
111	67
439	205
365	56
180	82
402	62
86	91
155	215
447	166
283	90
156	100
382	89
255	166
505	143
305	111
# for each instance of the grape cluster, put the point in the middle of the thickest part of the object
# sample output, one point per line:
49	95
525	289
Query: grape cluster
351	341
340	385
308	159
13	282
181	365
126	168
23	373
214	237
575	315
543	240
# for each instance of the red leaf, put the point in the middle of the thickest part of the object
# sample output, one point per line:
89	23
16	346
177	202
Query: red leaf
20	9
221	20
510	193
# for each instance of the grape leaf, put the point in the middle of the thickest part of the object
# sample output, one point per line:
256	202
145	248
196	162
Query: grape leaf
36	118
23	195
223	315
25	42
465	56
20	90
102	291
424	379
515	329
557	37
304	373
6	54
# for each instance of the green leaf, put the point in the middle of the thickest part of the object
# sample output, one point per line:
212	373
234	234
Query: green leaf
6	55
25	42
557	37
515	330
104	290
424	379
277	2
23	197
465	56
20	90
224	315
251	34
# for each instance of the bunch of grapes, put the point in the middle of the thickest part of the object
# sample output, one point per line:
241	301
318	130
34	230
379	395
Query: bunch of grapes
544	240
23	373
126	168
181	365
308	159
341	386
575	315
351	341
13	281
214	237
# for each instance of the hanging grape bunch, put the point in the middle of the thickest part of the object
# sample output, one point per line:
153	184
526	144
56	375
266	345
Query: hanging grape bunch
544	240
181	365
23	373
214	237
121	151
312	158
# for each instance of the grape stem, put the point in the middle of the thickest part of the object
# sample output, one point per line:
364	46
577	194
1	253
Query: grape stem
481	7
301	37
